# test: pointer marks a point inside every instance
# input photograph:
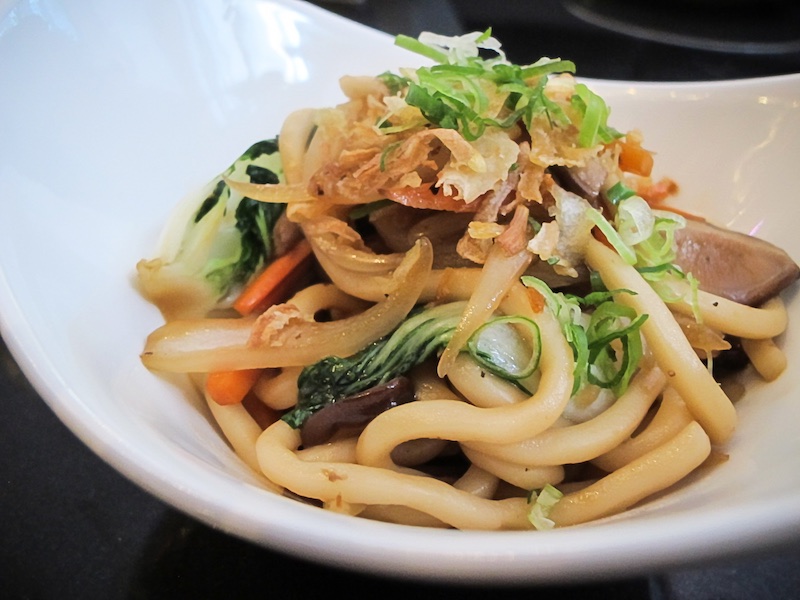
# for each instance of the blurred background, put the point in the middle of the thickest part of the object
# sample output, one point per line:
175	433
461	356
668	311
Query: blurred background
656	40
71	527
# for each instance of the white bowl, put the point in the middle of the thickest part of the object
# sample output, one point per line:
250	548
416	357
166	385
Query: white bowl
111	113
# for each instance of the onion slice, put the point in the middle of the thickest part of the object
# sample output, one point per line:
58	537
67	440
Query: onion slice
293	143
271	192
499	273
344	246
348	262
205	345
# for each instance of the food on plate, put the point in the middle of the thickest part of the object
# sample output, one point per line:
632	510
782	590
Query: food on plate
461	298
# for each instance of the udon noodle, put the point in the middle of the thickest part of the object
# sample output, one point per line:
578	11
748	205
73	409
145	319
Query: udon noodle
457	300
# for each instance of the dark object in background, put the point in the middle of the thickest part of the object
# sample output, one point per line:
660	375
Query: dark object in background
650	41
657	40
745	27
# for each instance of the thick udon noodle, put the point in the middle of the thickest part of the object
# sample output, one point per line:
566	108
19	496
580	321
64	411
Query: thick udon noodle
660	430
674	407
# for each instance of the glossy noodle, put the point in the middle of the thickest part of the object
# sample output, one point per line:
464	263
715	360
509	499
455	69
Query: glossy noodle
458	300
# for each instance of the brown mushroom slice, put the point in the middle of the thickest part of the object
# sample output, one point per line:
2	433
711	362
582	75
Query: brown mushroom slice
354	412
733	265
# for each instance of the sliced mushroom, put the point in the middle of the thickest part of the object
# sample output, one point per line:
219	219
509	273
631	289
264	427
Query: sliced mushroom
354	412
734	265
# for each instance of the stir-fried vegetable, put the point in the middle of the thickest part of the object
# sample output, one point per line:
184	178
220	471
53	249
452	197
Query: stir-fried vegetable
219	242
267	289
606	344
231	387
469	93
420	336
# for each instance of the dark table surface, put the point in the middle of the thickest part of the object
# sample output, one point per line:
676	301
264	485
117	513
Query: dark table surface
71	527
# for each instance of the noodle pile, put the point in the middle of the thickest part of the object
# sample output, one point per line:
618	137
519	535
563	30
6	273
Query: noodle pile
564	364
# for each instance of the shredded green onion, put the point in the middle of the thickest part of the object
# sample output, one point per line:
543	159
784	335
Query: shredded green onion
610	322
500	350
634	221
594	128
547	66
567	310
541	505
414	45
617	192
606	346
612	235
386	151
469	93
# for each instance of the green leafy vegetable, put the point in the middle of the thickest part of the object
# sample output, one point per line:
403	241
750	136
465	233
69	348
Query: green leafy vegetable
245	242
334	378
495	346
220	241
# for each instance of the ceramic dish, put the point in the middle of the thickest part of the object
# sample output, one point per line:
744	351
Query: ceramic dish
111	114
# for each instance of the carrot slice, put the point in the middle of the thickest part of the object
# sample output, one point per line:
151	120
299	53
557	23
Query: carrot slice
230	387
426	197
656	192
635	159
272	283
536	300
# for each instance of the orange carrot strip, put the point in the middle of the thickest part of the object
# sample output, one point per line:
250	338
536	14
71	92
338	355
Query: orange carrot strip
635	159
266	289
656	192
536	300
230	387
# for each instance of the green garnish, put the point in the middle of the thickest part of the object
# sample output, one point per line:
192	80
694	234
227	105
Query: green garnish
593	128
618	192
499	350
612	368
364	210
416	46
467	92
606	346
612	235
541	505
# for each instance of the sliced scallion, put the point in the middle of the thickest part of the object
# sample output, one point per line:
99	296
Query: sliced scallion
499	349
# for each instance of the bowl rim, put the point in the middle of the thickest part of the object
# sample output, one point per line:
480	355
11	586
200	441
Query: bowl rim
420	551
